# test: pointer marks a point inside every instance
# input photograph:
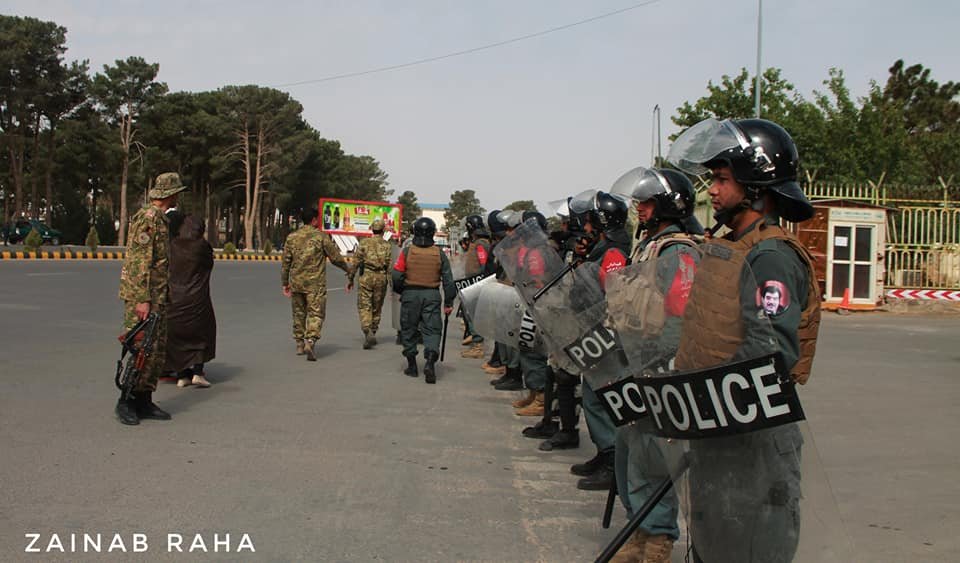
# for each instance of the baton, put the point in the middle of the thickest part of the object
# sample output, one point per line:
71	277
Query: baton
443	337
608	509
556	279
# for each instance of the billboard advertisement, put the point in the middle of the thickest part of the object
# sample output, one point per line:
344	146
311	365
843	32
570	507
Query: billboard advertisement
352	217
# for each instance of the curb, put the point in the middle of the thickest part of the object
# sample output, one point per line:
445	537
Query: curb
74	255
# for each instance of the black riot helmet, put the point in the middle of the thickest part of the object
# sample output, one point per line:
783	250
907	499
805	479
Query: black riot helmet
423	230
670	191
761	155
536	216
497	228
475	225
611	211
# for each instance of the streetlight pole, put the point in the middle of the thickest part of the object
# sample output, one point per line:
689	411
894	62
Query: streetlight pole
655	137
759	47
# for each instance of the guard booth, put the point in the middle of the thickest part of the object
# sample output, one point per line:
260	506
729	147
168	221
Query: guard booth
848	239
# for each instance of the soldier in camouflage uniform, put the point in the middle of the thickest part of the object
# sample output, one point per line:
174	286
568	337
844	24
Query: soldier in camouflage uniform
304	279
143	288
372	262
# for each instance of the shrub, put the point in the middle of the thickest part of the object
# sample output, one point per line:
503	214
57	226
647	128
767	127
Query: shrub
268	247
229	248
93	240
33	241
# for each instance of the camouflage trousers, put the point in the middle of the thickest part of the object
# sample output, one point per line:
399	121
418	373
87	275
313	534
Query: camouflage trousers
151	372
309	310
370	294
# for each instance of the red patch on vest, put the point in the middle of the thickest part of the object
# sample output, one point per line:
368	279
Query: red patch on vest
533	261
676	299
401	264
613	260
482	255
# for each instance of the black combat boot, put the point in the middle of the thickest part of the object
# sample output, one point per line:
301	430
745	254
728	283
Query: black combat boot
541	430
127	411
511	381
602	480
590	466
367	340
147	409
562	440
411	367
429	370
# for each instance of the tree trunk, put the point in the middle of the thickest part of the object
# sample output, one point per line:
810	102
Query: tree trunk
16	172
124	170
49	176
34	195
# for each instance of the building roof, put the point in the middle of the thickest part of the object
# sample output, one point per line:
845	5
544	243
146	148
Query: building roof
434	206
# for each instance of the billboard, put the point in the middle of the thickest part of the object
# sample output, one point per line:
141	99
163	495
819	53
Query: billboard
352	217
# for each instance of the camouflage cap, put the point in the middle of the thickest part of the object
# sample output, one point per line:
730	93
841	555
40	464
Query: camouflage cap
377	225
167	184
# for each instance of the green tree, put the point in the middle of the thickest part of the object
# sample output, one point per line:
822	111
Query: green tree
31	53
411	209
733	98
123	92
929	115
265	123
462	203
521	205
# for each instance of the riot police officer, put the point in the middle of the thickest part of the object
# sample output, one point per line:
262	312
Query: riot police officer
419	272
606	241
477	256
753	163
667	253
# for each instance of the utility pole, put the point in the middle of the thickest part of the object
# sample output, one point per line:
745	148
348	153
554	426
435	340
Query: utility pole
655	157
759	46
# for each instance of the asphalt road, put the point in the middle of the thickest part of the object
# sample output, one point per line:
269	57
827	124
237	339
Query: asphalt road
346	459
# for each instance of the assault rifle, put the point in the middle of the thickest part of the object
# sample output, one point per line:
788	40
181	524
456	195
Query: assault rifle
138	342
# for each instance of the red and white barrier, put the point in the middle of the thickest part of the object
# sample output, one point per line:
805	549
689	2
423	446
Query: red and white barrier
925	294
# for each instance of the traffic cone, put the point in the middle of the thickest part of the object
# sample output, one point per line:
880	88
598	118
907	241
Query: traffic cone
844	307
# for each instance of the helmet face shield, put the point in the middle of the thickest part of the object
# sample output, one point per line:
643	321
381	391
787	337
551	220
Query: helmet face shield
583	202
510	218
704	142
640	184
559	208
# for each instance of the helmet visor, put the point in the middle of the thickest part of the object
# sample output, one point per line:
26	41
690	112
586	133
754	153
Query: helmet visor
704	142
583	202
640	184
559	208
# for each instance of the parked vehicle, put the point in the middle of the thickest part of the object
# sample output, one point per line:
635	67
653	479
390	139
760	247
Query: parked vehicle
21	228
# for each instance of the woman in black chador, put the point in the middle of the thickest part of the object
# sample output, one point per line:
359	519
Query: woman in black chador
192	325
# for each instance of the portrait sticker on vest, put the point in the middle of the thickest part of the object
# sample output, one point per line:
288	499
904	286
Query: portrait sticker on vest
623	401
733	398
773	297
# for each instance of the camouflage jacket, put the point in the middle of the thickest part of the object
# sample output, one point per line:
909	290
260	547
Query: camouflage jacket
304	259
374	253
145	270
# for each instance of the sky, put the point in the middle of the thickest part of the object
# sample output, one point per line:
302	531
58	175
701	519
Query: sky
536	119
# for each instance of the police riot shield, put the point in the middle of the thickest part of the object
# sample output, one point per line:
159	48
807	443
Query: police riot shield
567	303
729	426
497	312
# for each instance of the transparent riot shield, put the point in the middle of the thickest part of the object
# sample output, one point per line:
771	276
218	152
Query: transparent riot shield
497	312
730	429
568	304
